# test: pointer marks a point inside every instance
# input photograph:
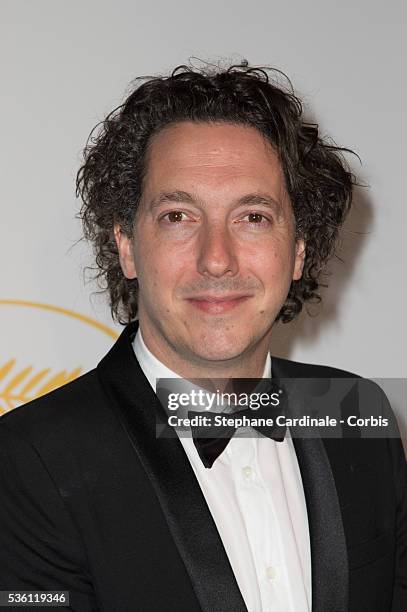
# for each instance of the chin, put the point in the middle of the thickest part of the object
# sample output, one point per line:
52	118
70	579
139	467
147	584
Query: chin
217	348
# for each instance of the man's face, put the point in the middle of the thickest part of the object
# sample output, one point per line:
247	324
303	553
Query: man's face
214	248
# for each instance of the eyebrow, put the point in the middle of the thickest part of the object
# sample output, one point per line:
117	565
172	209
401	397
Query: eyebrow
173	196
251	199
255	199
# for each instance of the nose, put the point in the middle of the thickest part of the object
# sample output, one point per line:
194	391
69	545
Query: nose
217	255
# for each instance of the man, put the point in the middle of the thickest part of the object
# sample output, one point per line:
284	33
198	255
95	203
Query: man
212	208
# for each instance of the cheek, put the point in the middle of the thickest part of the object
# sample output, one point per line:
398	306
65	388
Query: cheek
273	265
160	274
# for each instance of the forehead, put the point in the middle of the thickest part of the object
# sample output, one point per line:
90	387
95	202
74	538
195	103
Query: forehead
212	153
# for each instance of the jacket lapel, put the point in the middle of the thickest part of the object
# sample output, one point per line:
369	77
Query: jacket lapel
171	475
329	561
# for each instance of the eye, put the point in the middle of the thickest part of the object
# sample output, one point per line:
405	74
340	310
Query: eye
255	218
174	216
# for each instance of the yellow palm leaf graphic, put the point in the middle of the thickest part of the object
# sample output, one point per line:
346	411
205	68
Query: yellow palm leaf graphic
19	386
6	368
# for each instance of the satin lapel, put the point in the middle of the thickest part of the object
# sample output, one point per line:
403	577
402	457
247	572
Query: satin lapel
329	560
171	475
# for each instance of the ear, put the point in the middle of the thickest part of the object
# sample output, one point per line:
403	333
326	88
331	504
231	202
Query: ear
299	259
125	249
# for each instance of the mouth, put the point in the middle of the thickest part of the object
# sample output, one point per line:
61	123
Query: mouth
217	305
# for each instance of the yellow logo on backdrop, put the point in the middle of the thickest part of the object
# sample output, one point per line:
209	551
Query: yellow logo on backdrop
21	382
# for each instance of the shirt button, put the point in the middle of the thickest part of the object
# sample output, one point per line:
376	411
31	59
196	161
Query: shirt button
247	472
271	573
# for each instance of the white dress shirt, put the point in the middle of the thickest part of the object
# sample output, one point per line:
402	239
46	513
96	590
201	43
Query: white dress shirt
255	494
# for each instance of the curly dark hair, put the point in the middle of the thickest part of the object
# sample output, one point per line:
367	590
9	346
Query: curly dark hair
110	182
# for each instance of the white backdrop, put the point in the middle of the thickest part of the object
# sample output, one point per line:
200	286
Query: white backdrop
66	64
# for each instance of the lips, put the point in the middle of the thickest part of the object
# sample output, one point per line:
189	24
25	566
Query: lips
217	304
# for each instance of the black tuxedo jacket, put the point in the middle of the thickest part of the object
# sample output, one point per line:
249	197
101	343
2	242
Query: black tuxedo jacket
92	503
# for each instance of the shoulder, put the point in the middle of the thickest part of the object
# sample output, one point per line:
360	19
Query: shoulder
293	369
70	409
363	403
365	399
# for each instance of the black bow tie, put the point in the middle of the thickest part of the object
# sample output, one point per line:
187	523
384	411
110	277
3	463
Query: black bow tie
211	440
